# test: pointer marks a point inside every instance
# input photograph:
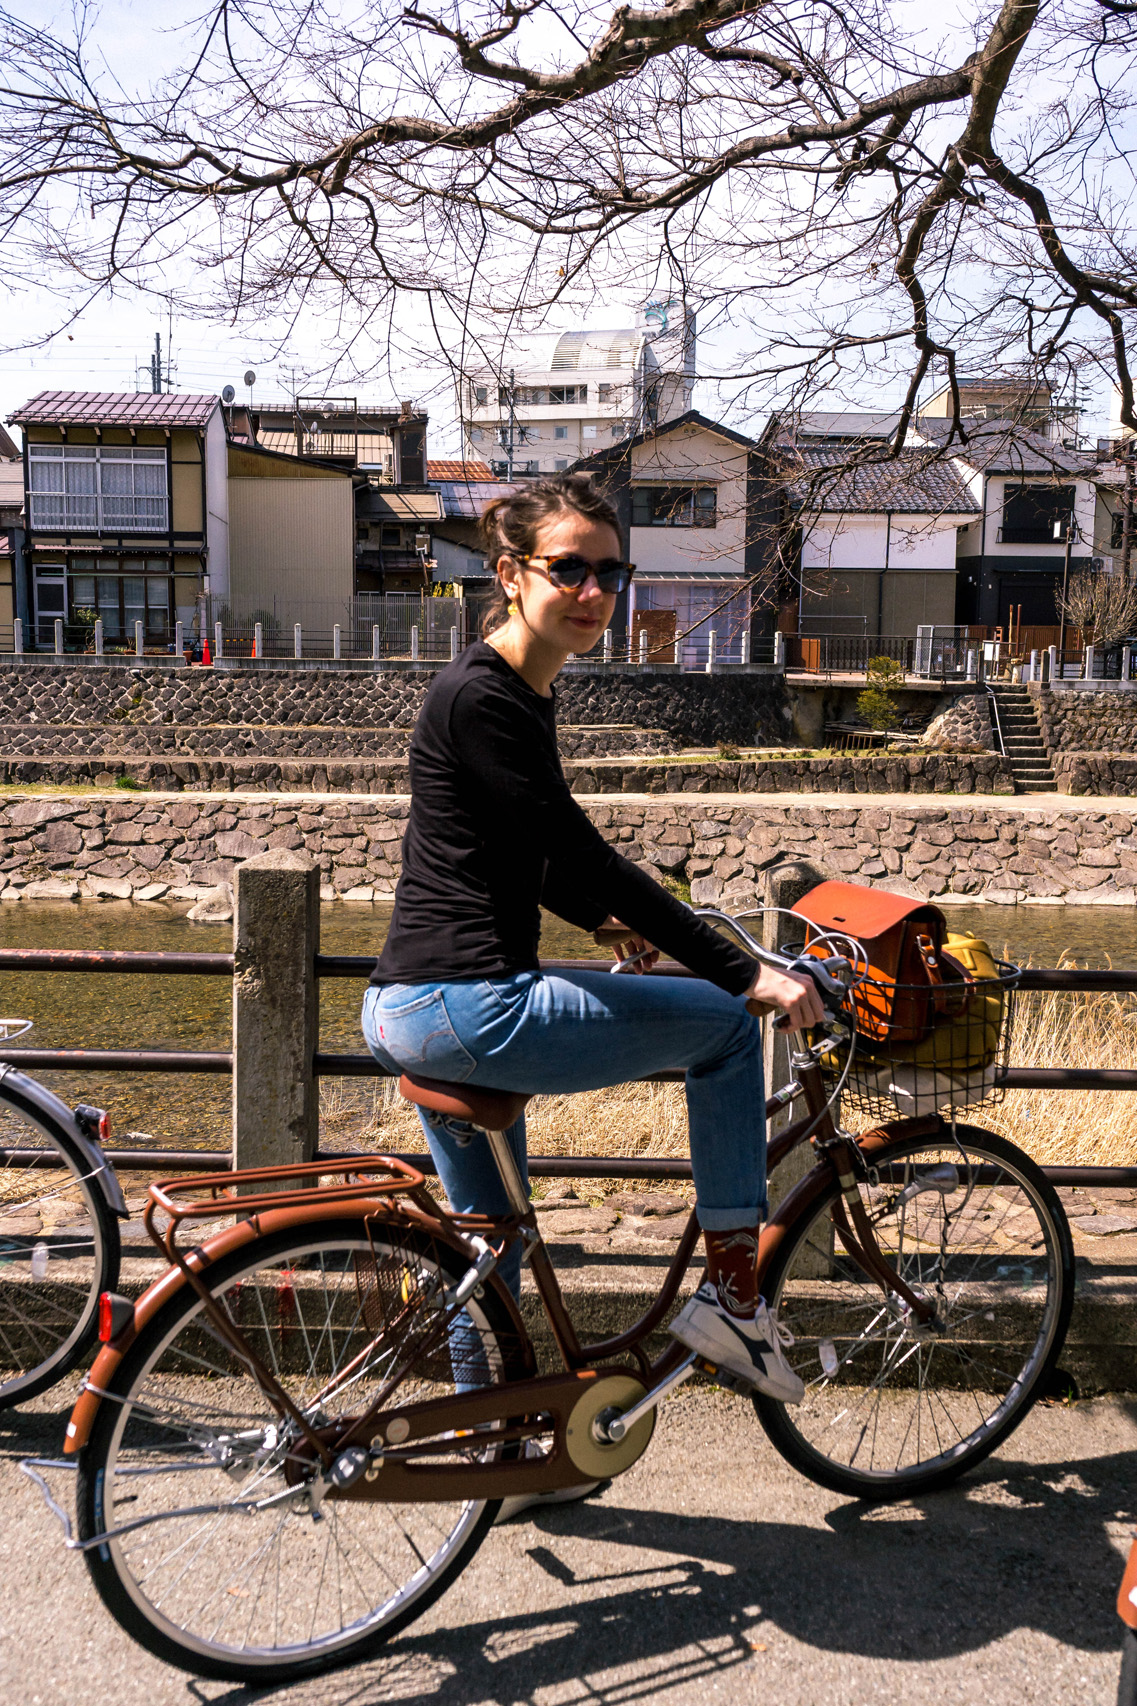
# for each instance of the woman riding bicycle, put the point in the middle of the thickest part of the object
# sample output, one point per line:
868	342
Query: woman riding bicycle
494	834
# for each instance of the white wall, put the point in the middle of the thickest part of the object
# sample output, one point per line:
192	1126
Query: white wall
217	506
972	541
867	542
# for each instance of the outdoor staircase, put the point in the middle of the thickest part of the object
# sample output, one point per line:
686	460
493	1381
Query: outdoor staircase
1022	740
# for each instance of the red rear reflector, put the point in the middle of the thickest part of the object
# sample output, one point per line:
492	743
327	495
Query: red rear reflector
116	1313
104	1128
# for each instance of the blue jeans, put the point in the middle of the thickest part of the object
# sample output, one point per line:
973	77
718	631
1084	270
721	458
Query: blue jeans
566	1031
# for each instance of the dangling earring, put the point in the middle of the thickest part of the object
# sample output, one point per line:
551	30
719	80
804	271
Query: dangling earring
512	608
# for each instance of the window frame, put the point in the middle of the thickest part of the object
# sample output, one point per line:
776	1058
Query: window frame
100	510
676	505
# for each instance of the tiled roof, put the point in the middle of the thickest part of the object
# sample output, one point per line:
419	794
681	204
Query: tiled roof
456	470
117	408
9	449
909	484
466	499
1002	447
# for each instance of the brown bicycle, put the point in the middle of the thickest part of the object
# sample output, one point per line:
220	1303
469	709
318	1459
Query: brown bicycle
300	1436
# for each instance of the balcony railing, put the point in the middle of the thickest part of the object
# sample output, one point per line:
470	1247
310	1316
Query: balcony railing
90	512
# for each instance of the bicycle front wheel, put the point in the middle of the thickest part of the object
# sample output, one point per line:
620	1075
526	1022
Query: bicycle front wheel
59	1248
233	1572
893	1408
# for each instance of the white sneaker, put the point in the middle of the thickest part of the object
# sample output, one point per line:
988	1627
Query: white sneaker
516	1503
749	1348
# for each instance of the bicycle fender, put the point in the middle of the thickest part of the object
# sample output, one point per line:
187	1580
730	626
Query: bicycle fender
1127	1597
37	1099
203	1256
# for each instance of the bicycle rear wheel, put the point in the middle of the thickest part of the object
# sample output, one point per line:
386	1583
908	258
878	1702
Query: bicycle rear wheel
222	1580
59	1248
892	1409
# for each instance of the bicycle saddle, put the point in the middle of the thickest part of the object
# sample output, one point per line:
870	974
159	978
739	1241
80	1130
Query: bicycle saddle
493	1110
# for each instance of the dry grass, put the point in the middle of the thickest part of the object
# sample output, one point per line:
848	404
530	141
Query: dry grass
1058	1127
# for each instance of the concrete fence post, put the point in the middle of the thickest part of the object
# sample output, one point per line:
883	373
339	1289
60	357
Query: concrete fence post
218	642
414	643
1088	664
779	651
297	640
58	637
258	640
607	653
337	641
453	644
1126	662
376	643
18	636
712	647
99	636
179	639
1055	665
139	640
746	645
643	645
1034	666
276	929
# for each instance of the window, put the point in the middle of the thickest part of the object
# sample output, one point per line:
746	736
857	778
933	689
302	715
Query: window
530	468
674	506
562	394
1030	514
1117	530
84	488
137	590
477	435
391	536
560	464
480	395
606	392
560	432
588	432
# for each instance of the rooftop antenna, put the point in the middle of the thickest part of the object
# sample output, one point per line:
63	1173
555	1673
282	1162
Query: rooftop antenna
228	395
250	381
156	364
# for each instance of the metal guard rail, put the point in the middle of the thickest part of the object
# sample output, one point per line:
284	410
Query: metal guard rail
356	966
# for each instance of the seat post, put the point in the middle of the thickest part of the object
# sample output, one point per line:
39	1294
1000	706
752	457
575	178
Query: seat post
507	1168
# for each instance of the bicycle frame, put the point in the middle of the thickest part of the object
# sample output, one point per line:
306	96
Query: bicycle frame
588	1390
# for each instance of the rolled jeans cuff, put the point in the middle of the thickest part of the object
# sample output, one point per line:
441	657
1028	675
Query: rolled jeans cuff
730	1219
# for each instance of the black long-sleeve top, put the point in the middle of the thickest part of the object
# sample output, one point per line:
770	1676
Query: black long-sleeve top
494	833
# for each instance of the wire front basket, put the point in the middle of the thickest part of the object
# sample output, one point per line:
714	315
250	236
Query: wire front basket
921	1050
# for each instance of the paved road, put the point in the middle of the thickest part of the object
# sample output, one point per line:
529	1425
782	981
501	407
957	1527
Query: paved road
711	1572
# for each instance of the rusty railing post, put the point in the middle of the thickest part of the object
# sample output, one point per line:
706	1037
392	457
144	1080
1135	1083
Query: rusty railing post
276	926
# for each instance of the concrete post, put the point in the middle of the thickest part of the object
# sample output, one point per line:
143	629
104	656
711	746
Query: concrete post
337	641
218	642
607	654
784	886
179	639
779	651
453	644
58	637
376	643
643	645
1055	666
139	641
1088	664
414	643
18	636
746	645
1033	666
297	640
276	928
712	647
99	636
1126	662
258	640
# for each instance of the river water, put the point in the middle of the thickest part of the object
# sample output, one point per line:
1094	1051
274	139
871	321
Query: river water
77	1010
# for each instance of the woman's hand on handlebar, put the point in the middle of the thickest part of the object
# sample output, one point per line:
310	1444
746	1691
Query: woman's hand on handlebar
794	992
627	945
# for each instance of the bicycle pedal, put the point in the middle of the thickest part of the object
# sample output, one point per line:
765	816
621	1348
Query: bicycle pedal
723	1377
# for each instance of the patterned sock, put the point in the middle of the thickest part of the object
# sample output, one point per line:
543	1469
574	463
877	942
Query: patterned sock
732	1266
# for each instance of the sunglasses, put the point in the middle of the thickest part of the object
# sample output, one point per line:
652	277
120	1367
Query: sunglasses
572	570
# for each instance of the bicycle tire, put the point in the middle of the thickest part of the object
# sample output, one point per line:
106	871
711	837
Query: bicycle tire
256	1603
891	1410
1127	1679
48	1317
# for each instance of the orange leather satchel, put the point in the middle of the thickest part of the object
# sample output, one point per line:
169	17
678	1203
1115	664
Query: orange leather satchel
911	981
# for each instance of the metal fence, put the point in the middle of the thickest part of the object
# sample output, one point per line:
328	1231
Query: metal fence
359	968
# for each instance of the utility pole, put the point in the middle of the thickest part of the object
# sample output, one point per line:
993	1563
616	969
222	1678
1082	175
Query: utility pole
1128	446
156	364
1071	530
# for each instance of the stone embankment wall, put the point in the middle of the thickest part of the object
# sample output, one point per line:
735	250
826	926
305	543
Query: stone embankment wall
101	847
1084	721
1094	773
83	704
966	722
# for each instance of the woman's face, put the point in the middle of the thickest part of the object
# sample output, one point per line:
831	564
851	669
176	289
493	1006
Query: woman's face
569	620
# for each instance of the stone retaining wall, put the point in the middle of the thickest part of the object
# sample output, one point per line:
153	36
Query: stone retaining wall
1080	720
1094	773
691	710
97	845
843	773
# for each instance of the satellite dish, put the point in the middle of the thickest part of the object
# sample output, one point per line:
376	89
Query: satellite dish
314	428
250	377
228	394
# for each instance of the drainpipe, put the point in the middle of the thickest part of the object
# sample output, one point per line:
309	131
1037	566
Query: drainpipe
883	572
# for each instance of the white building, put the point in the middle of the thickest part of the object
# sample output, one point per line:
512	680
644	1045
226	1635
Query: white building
558	396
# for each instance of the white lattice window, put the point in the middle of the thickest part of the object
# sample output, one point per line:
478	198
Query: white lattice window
80	488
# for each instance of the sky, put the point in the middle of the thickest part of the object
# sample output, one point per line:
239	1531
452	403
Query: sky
108	348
